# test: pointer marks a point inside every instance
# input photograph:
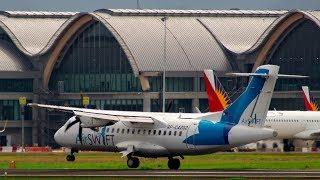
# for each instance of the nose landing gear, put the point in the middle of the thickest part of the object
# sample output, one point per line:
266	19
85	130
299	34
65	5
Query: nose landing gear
70	157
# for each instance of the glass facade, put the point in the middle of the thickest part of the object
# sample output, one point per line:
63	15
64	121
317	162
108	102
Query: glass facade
112	104
173	84
299	53
16	85
229	84
203	105
293	104
172	105
94	62
10	110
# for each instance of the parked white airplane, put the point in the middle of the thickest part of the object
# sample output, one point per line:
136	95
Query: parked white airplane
149	134
289	125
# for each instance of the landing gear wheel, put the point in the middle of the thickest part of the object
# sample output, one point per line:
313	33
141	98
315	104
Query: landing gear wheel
133	162
173	163
70	157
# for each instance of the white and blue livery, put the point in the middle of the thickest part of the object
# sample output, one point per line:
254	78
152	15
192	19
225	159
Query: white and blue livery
150	134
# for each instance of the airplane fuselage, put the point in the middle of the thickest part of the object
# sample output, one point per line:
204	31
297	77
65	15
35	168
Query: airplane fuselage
173	135
294	124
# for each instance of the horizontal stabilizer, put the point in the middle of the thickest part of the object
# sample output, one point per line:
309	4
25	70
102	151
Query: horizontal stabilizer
265	75
247	74
292	76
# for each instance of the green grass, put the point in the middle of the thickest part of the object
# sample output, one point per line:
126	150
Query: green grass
222	161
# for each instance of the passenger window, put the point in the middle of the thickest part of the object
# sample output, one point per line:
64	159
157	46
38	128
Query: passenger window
118	130
159	133
149	132
139	131
164	133
107	130
175	133
112	131
144	131
180	133
154	132
128	130
169	133
133	130
122	131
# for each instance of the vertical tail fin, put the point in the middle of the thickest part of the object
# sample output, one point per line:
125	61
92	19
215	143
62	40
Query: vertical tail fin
309	104
218	99
251	106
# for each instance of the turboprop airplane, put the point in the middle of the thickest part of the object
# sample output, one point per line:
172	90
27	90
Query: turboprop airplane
289	125
150	134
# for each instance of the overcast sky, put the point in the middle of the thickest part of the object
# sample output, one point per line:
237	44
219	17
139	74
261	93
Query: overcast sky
91	5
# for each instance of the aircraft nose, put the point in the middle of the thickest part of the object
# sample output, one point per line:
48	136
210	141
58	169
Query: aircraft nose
58	136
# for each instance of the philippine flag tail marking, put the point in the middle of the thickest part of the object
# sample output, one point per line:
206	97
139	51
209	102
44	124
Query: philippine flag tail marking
309	104
217	98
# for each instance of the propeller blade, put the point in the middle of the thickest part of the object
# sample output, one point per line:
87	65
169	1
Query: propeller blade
80	129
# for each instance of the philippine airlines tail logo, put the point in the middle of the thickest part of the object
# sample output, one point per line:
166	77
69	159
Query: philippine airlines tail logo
310	105
217	98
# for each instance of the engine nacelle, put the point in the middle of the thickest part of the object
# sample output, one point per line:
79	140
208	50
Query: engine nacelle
90	122
244	134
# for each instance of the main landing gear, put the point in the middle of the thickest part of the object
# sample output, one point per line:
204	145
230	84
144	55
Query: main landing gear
133	162
71	157
173	163
288	145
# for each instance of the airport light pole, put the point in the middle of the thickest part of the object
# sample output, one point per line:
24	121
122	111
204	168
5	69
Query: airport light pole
22	102
164	19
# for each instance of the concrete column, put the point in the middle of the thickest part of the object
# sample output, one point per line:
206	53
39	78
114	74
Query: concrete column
146	102
195	103
196	89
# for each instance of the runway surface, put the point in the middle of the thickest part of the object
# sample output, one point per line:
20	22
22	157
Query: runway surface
161	173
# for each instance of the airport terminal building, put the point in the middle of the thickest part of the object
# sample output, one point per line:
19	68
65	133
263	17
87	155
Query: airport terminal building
116	58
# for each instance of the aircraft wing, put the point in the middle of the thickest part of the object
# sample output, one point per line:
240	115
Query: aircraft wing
308	134
98	118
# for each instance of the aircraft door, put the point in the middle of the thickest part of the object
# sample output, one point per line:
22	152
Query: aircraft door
190	134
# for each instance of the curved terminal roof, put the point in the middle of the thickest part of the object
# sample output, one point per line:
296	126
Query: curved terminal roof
190	47
196	39
237	34
32	31
11	60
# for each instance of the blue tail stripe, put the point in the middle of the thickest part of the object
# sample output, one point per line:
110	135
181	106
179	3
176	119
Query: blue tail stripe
216	133
233	113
